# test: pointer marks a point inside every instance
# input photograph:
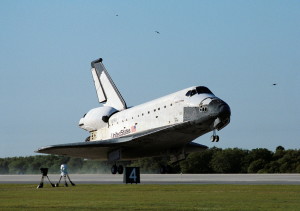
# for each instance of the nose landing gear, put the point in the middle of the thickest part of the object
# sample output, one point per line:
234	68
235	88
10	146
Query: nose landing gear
214	137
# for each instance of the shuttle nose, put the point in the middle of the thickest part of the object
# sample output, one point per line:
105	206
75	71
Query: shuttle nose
224	110
221	111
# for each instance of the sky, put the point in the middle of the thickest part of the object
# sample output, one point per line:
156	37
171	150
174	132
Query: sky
238	49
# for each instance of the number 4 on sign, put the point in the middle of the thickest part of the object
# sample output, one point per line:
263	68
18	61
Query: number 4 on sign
133	175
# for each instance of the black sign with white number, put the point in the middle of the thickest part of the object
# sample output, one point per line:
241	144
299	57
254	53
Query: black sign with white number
132	175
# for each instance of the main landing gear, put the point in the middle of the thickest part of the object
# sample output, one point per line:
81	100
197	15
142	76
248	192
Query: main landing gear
117	169
214	137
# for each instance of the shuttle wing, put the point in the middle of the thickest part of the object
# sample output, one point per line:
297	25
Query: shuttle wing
90	150
132	146
107	92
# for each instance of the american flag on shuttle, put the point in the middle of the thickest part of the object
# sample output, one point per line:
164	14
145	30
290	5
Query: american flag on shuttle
133	129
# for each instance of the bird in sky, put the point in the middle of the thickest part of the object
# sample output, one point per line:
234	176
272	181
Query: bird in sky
157	32
274	84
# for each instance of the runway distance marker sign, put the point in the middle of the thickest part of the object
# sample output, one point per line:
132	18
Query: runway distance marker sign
132	175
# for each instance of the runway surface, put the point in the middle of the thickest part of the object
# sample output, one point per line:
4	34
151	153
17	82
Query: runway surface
245	179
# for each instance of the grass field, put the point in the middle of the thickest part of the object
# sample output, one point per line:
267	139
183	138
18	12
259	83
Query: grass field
150	197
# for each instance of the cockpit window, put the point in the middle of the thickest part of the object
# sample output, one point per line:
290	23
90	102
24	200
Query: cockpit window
188	93
193	92
198	90
202	90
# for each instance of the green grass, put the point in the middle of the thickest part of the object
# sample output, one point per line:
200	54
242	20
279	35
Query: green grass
150	197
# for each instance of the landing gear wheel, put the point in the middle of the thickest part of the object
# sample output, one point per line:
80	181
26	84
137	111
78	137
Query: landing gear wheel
114	169
214	138
120	169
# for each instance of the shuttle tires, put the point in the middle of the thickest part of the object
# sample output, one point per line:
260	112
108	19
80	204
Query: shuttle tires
117	169
114	169
215	138
120	169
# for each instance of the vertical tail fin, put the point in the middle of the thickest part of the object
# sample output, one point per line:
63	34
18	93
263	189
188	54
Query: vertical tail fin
107	92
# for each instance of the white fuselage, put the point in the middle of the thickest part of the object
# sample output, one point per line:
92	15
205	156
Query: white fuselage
167	110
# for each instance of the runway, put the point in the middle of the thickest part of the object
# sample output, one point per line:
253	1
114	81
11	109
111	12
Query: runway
244	179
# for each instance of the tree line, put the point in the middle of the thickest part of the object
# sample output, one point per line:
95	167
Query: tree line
213	160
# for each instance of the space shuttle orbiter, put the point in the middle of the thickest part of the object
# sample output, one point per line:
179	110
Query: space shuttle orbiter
162	127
